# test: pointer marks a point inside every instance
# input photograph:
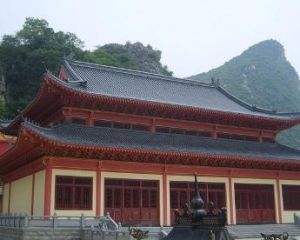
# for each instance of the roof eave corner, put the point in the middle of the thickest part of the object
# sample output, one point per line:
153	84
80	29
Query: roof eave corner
14	125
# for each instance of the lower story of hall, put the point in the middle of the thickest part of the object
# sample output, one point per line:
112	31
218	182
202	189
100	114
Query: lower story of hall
143	198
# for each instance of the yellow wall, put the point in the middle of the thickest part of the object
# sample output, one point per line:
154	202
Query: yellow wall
5	198
39	191
133	176
21	195
255	181
287	216
79	173
202	179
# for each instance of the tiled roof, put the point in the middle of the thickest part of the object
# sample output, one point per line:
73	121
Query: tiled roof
137	140
136	85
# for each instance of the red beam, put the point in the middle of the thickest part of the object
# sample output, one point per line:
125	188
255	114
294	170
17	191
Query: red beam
172	169
24	171
149	121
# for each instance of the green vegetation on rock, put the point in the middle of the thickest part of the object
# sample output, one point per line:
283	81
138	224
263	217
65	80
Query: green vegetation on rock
262	76
24	56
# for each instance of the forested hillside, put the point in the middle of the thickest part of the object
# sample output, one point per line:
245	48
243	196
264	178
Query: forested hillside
25	56
263	77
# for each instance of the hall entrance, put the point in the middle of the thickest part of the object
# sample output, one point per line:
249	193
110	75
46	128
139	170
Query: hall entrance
182	193
254	203
132	202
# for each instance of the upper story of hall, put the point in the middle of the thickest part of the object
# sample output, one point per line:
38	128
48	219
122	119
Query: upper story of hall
103	96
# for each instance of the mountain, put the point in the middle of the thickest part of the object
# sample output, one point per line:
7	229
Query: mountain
262	76
130	55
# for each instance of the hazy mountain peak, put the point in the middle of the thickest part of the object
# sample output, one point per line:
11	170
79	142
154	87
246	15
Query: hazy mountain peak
270	48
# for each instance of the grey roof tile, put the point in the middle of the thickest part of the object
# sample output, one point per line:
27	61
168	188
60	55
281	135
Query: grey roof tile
121	138
130	84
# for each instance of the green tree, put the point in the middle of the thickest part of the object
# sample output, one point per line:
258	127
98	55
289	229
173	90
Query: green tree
24	55
23	58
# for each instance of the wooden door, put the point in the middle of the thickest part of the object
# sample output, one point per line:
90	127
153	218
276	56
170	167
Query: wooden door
254	203
132	202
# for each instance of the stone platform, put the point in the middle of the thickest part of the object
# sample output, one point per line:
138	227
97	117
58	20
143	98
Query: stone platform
235	232
253	231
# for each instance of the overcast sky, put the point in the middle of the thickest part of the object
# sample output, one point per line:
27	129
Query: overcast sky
193	35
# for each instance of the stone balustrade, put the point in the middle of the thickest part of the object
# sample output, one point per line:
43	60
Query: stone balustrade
81	222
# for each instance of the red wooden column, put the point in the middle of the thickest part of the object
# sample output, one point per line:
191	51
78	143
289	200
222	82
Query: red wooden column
47	195
9	197
165	202
230	198
98	189
32	192
279	199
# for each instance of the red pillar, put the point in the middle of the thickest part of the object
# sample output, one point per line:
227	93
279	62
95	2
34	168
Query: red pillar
230	198
165	203
32	193
9	196
98	190
47	196
278	200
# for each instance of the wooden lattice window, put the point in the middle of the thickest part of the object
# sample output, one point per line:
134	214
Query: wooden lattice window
291	196
121	193
103	123
237	137
73	193
250	196
182	192
139	127
79	121
110	124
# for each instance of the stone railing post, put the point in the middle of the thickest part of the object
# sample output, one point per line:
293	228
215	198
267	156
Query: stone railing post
296	219
54	220
112	225
82	221
19	220
16	219
26	221
5	220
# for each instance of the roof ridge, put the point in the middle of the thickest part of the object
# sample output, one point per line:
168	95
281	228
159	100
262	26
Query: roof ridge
287	147
139	73
173	79
252	107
